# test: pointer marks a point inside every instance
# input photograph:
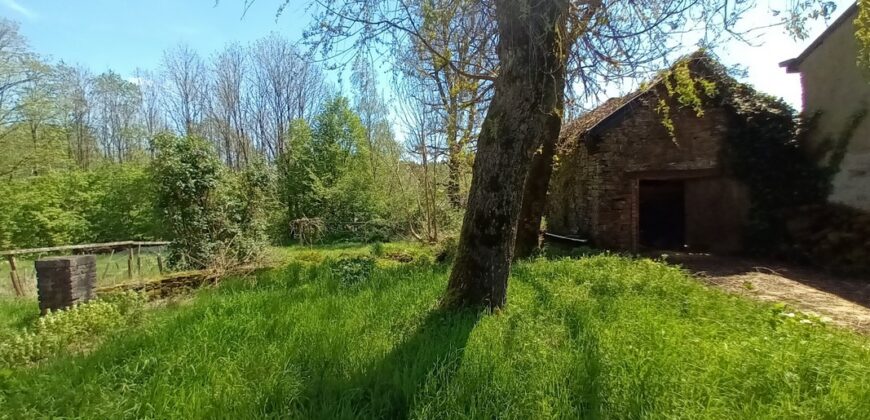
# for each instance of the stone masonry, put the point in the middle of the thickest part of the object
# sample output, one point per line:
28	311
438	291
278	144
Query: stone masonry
64	281
594	189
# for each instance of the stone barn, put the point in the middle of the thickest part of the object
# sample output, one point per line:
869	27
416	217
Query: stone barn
646	171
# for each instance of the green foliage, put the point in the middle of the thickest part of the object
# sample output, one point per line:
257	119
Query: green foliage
688	89
109	203
77	328
862	35
377	249
187	174
599	337
352	270
331	172
763	154
247	201
211	217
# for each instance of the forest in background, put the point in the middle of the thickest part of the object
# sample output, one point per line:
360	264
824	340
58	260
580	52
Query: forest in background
254	135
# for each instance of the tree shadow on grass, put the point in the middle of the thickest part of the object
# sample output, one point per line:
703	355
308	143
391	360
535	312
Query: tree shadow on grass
428	357
589	395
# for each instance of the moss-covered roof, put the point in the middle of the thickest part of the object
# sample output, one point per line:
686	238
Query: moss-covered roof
612	110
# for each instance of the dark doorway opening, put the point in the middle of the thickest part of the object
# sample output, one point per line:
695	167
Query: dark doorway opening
662	214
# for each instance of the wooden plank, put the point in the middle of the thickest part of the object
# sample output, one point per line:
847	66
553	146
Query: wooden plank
566	238
81	247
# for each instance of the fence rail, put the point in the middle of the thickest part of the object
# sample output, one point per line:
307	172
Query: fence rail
83	247
134	250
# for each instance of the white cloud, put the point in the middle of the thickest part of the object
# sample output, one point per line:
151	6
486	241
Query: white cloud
17	7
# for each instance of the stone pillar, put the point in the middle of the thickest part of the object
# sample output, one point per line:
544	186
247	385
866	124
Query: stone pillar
64	281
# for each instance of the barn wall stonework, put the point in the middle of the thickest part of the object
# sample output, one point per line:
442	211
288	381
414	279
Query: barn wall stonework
593	192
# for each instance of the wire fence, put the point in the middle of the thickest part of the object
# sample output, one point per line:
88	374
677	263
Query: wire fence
117	262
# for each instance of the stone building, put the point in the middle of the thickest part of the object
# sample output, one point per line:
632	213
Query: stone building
625	181
837	93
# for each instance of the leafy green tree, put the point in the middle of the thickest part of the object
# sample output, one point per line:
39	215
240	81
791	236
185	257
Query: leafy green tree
187	175
212	216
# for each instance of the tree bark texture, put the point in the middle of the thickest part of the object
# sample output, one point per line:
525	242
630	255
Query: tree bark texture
527	103
535	197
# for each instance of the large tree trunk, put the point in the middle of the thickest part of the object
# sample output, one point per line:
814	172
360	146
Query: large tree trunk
535	198
527	103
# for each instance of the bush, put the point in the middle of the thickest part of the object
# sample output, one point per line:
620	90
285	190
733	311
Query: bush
211	216
377	249
351	271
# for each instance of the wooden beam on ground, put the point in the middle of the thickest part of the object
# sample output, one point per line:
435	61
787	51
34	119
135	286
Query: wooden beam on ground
566	238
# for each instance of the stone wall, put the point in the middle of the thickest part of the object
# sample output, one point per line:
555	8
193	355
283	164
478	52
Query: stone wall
593	192
65	281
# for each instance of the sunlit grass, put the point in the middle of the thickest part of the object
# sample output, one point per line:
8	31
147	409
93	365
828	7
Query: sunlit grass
599	337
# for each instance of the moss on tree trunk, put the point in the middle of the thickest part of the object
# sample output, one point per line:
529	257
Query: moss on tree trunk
526	107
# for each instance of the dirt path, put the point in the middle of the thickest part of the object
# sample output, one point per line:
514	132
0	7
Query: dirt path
843	301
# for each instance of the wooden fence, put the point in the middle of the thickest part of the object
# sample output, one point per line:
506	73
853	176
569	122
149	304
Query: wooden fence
133	248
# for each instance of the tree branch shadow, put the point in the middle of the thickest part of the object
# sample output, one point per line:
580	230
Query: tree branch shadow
388	389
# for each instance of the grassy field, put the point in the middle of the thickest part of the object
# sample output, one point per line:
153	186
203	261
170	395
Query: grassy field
111	269
330	336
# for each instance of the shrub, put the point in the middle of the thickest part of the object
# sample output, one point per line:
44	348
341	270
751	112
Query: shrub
351	271
211	216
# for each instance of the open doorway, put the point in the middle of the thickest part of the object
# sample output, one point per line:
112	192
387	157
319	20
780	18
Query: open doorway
662	214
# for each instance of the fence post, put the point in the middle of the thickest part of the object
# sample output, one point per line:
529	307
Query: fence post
13	274
160	263
130	262
139	260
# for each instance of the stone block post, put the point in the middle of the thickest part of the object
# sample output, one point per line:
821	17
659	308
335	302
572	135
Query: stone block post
64	281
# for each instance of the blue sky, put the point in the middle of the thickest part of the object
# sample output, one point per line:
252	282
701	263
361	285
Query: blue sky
125	34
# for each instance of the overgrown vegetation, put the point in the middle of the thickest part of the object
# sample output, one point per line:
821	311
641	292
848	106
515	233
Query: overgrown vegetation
600	337
109	203
764	149
763	153
76	329
245	146
334	174
212	217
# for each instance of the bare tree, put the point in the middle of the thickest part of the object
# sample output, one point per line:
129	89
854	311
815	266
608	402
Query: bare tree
455	29
275	94
20	73
75	85
116	104
424	142
184	75
152	115
226	105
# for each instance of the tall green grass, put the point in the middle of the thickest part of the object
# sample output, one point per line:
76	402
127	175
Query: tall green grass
599	337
